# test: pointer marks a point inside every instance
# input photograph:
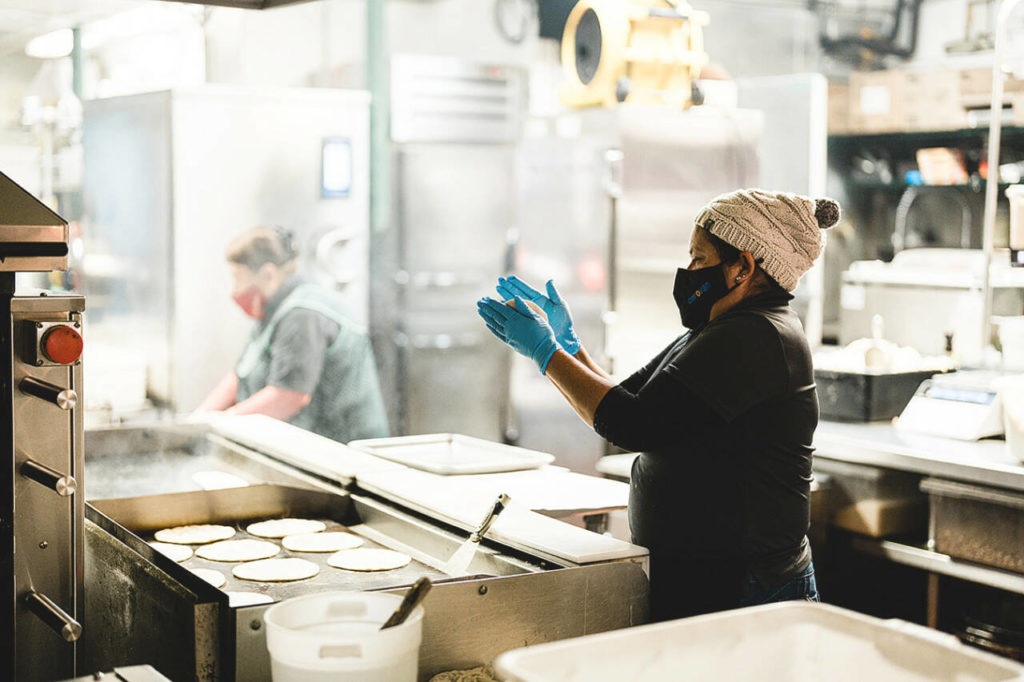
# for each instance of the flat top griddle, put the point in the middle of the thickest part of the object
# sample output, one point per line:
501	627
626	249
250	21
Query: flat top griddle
329	577
135	520
148	473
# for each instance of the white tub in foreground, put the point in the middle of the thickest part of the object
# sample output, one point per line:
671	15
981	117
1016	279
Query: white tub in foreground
786	642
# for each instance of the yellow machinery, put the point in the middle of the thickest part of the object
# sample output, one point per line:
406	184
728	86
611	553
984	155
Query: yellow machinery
643	51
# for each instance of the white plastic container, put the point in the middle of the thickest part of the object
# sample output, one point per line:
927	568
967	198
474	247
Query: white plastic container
1011	395
1011	338
786	642
336	636
1015	193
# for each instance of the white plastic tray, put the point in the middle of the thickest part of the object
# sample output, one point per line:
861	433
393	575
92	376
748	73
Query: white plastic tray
451	453
787	642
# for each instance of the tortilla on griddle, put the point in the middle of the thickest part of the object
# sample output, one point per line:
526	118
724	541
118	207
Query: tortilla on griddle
198	534
321	542
178	553
275	570
237	599
215	578
366	559
279	528
238	550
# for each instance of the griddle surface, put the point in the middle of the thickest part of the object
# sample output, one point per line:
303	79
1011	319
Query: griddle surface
329	577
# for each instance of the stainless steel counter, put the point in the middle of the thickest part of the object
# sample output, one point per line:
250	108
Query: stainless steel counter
881	444
987	462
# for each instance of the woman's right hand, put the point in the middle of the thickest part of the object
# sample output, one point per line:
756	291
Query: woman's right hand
553	306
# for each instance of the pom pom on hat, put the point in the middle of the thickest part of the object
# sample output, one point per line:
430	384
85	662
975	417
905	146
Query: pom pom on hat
780	229
826	212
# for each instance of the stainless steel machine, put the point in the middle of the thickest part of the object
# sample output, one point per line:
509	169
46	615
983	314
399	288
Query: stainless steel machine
454	128
534	579
41	510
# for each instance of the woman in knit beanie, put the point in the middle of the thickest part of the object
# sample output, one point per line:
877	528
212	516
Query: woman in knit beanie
723	417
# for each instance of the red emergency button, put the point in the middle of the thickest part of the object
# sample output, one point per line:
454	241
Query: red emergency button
62	344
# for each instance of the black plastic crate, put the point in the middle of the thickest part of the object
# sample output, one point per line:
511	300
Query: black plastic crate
857	397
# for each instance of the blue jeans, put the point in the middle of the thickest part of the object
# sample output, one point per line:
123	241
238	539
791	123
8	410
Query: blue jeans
801	588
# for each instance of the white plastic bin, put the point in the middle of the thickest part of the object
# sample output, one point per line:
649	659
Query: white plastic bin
1011	395
1011	338
786	642
336	636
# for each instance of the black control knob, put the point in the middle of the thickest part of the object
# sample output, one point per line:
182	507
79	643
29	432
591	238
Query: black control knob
54	616
62	484
64	398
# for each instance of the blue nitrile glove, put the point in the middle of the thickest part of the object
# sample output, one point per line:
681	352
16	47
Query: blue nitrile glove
553	306
524	330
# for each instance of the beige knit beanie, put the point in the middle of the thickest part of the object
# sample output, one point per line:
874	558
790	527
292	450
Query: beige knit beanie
780	229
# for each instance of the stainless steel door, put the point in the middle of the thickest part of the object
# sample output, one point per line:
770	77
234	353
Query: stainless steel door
454	209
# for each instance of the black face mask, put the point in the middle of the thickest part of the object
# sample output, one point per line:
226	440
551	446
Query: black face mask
696	291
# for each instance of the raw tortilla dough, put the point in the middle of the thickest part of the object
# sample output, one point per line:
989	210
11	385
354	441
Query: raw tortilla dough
278	528
215	578
275	570
247	598
194	535
321	542
177	552
368	559
238	550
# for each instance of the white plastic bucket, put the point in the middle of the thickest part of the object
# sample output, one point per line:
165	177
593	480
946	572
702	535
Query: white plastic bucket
336	636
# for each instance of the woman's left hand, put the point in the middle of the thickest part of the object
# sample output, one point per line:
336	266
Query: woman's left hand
525	331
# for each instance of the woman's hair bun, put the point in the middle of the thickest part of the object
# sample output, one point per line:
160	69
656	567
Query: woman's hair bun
826	212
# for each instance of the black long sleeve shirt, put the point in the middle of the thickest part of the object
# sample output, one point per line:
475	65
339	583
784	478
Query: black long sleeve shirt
724	419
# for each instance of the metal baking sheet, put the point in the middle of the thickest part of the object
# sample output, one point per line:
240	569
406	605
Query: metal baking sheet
238	507
453	454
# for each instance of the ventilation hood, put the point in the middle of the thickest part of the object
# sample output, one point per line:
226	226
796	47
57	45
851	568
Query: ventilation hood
32	237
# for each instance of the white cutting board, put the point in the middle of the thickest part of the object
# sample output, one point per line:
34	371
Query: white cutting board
464	506
297	446
554	490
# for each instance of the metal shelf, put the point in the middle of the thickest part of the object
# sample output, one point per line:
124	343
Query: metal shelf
901	186
923	135
934	562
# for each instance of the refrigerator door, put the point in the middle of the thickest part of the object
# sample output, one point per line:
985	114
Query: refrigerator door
455	209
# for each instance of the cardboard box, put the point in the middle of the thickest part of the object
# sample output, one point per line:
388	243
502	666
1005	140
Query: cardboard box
979	82
838	108
932	100
877	102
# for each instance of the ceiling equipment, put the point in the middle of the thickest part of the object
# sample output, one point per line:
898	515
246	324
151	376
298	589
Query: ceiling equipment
644	51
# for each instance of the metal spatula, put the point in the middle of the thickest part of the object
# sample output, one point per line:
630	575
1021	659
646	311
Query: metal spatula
463	557
412	598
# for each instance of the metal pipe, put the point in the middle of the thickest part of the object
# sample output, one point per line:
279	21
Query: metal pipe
77	62
992	181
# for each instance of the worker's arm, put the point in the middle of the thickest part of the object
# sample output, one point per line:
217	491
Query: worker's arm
280	403
222	396
584	359
583	387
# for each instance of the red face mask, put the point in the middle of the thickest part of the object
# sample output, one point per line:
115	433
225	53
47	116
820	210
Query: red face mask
251	302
